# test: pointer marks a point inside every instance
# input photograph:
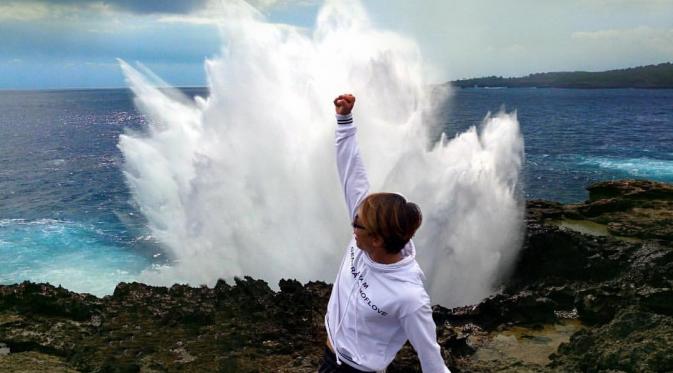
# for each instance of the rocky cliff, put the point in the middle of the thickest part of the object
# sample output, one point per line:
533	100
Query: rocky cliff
592	291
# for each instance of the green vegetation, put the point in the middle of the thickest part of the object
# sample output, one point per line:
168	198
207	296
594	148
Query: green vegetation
651	76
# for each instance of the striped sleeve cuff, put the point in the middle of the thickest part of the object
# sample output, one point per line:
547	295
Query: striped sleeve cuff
344	119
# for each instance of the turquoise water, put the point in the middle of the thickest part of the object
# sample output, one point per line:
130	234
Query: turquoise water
77	256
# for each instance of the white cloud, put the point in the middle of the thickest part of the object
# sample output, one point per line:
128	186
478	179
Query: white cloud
635	3
646	37
215	12
23	11
270	4
36	10
632	33
263	4
193	19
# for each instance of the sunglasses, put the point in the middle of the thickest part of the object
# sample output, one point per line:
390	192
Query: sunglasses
355	224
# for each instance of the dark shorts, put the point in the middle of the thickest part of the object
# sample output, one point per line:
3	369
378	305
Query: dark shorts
328	364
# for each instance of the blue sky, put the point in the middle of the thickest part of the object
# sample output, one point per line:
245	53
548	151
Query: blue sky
74	43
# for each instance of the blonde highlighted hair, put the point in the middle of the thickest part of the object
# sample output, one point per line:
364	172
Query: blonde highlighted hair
391	217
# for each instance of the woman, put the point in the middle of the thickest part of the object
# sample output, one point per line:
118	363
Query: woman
378	301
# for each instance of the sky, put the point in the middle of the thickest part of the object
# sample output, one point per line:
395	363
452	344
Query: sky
56	44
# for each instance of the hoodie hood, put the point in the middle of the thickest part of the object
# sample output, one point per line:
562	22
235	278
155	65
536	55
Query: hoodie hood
405	270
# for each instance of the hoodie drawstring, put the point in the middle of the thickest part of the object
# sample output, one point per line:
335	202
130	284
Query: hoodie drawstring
357	335
342	317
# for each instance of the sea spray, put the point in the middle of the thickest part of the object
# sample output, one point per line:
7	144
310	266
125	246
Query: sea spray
243	182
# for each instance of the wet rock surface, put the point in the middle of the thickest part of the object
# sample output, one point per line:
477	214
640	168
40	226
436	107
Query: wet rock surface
240	327
585	299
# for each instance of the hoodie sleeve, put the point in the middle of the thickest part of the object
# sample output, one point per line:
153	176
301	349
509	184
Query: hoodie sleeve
421	331
352	173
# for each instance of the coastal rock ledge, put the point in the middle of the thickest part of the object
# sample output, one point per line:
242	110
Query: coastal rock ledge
592	291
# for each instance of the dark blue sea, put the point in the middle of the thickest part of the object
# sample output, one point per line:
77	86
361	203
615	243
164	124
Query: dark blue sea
66	215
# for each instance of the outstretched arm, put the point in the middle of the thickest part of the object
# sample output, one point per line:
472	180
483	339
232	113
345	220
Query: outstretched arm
421	331
352	173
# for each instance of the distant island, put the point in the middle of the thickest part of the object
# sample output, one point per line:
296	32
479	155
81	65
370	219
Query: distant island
650	76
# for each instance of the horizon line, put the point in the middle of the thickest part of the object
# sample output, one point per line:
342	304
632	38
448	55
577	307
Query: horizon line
53	89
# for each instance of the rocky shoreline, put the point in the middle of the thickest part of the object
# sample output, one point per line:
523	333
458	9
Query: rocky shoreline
592	292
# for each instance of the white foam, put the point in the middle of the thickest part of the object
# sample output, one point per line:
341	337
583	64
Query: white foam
243	182
65	253
637	167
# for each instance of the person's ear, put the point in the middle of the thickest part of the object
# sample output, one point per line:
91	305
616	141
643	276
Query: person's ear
377	241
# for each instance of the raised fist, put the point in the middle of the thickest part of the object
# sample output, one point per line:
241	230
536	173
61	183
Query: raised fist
344	103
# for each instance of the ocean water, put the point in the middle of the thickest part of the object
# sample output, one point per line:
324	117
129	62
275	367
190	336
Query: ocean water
574	137
67	217
65	212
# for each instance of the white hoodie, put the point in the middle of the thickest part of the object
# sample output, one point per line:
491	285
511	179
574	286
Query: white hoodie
374	308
